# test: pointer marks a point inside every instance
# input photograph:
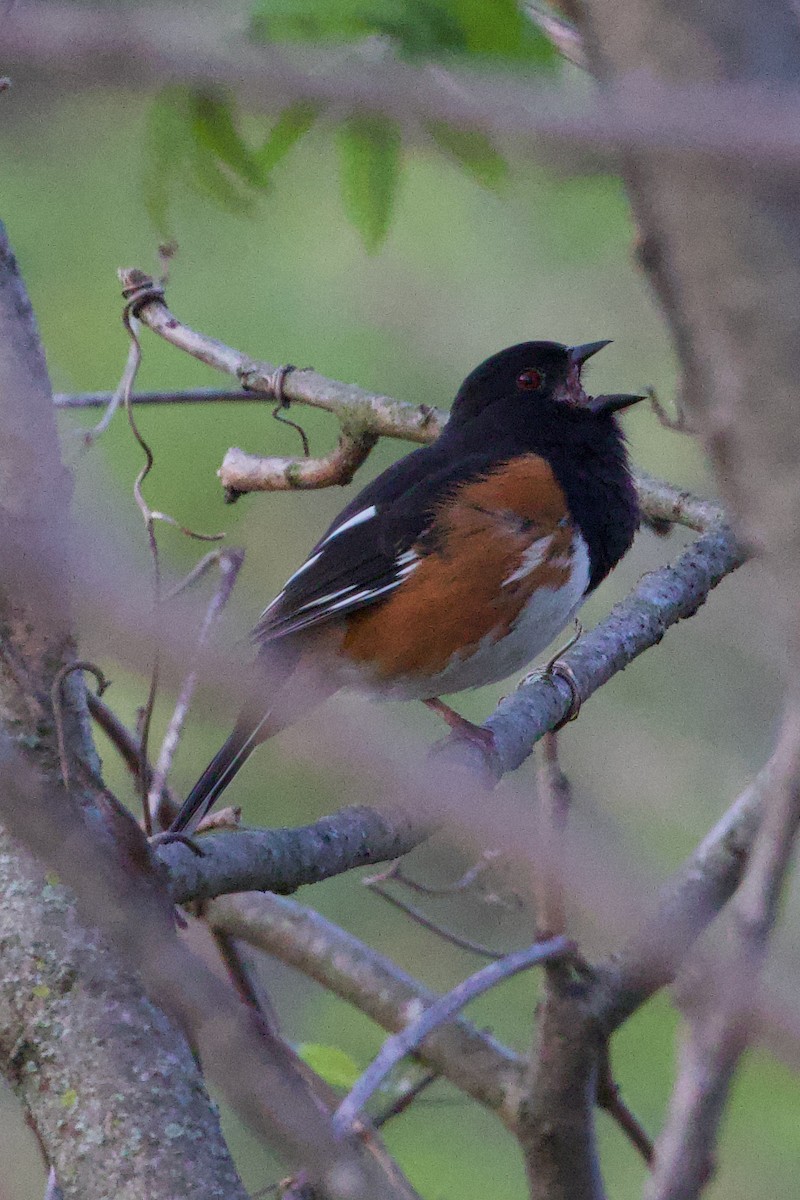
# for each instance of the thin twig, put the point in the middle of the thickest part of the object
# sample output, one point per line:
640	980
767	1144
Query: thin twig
396	1048
242	979
682	909
678	424
610	1100
396	873
361	413
229	562
420	918
134	297
79	400
58	711
404	1101
125	742
471	1059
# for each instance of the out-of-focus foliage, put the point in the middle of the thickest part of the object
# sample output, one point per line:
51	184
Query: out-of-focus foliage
494	31
655	756
331	1063
194	136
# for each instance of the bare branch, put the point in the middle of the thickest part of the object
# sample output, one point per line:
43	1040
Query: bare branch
78	400
557	1131
472	1060
426	922
609	1098
659	600
123	740
133	49
241	472
356	409
443	1010
282	860
683	909
229	562
722	1001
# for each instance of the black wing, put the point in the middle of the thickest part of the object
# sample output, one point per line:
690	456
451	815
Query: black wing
372	546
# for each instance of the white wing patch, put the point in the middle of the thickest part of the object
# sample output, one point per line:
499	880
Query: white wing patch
308	563
358	518
532	558
347	597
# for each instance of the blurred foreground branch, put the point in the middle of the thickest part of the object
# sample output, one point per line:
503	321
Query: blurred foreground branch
137	49
98	850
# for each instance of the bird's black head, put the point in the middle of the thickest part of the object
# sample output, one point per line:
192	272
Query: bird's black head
535	380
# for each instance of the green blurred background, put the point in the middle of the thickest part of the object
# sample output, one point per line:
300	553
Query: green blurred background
657	754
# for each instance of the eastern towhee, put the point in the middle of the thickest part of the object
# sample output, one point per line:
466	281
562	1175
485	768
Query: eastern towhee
458	564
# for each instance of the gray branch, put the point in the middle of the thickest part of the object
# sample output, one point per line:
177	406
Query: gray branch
471	1059
138	50
68	1043
282	860
53	1024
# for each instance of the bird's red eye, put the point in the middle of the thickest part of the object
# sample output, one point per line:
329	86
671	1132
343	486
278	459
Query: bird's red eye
530	380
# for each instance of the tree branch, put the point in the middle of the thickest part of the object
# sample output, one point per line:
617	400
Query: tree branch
77	400
684	907
53	1025
471	1059
557	1131
98	851
363	416
282	860
136	50
408	1039
722	1000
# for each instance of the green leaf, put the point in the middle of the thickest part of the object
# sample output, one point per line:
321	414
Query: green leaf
192	134
217	185
214	127
420	28
499	29
167	147
308	20
331	1064
292	124
369	155
474	152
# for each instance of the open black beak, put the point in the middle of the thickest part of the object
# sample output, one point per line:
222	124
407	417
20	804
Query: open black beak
579	354
611	404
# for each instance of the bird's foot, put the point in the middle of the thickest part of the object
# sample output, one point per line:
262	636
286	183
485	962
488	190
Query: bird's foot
479	736
168	837
562	670
225	818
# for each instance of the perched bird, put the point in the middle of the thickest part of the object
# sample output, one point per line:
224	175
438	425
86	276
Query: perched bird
458	564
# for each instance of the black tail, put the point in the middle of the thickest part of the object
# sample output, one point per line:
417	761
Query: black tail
218	774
